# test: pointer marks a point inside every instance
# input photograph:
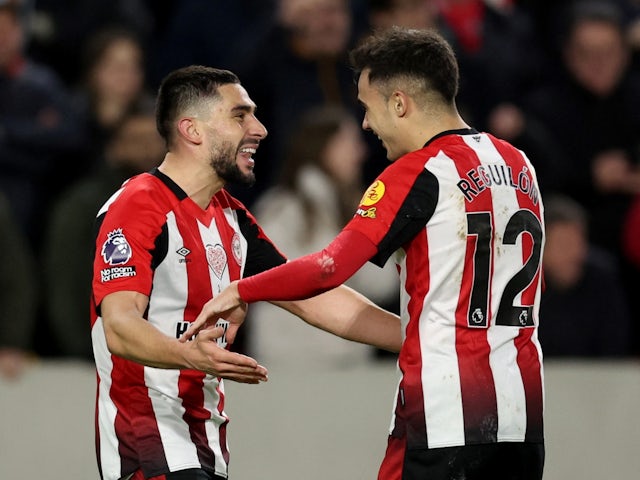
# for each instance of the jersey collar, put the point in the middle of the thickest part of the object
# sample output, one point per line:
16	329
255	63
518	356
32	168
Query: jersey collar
459	131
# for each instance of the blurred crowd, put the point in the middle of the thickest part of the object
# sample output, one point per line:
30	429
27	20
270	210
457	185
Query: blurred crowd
559	79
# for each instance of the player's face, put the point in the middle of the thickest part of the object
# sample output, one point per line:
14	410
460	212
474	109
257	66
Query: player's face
378	116
235	135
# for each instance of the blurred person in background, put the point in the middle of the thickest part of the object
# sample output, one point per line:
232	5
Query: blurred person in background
583	305
61	29
497	50
583	124
383	14
318	191
113	86
582	128
134	147
18	296
197	34
490	38
38	126
302	63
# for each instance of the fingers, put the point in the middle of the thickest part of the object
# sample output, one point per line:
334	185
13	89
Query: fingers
220	362
195	327
240	368
242	374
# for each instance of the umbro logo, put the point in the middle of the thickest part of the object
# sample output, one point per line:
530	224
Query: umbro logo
183	252
477	138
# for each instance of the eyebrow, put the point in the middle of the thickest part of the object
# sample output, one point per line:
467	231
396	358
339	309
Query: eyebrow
244	108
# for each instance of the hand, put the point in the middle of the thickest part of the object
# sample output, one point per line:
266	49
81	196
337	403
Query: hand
506	121
613	172
206	355
227	304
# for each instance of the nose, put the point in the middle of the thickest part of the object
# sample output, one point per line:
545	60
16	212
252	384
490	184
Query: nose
258	129
365	123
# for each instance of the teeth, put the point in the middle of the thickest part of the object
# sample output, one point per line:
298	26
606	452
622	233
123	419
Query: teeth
248	150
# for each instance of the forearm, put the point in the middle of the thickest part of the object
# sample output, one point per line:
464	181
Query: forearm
348	314
130	336
312	274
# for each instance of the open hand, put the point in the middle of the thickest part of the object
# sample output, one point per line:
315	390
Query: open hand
206	355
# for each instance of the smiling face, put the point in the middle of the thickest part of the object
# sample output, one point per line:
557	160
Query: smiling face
379	117
233	134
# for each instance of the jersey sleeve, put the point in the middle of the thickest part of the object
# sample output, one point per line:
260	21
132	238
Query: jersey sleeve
311	274
126	237
396	206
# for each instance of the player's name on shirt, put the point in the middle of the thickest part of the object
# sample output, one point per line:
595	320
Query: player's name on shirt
482	177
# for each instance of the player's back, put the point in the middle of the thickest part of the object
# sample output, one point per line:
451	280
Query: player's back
471	360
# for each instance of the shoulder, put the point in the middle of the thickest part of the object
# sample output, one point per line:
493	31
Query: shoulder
141	195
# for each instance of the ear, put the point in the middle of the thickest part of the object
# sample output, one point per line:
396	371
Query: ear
189	130
399	103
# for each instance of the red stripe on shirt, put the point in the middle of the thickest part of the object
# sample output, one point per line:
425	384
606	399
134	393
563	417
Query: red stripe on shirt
476	377
410	360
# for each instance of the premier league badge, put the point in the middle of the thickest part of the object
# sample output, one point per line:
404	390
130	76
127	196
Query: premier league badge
116	250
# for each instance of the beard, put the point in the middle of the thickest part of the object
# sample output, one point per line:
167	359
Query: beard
223	162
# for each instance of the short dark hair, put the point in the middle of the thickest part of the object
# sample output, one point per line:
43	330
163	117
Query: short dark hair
577	13
398	52
183	89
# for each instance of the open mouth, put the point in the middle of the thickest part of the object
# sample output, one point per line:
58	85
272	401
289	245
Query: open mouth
247	153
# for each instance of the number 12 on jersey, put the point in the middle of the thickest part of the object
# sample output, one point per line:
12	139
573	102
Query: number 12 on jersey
480	226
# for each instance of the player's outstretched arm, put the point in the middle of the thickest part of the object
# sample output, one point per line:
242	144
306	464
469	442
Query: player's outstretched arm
130	336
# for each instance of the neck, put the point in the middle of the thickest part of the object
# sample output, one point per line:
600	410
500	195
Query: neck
198	180
434	125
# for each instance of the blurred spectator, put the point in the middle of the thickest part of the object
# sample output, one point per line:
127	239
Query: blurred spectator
384	14
547	17
60	30
584	126
318	192
197	34
301	64
37	125
583	312
113	86
134	147
18	296
498	53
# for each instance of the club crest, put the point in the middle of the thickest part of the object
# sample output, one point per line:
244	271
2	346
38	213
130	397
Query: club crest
236	248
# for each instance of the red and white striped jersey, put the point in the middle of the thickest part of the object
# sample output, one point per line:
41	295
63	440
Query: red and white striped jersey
153	239
464	220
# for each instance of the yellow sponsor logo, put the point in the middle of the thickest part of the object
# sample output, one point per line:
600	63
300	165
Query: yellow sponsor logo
373	194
